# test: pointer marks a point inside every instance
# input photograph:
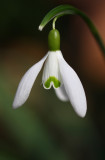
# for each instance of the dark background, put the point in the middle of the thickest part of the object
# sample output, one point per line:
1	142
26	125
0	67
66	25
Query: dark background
45	128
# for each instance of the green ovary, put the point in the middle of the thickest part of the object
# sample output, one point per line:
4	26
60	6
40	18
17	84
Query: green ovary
55	81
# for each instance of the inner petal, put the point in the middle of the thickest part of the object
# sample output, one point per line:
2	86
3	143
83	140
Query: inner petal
51	73
52	81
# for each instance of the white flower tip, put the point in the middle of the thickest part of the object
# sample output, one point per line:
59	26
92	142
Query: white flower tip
40	28
81	111
15	104
19	100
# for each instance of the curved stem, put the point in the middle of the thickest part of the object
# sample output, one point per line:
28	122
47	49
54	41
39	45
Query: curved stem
53	24
68	9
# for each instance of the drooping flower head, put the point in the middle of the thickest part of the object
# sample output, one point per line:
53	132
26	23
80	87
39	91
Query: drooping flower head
57	74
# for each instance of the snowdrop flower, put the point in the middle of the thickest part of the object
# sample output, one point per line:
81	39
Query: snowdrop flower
56	73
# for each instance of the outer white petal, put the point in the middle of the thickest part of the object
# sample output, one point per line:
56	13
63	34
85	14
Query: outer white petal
27	82
73	87
61	93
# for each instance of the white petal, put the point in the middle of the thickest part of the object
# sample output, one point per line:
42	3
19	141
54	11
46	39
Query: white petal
26	83
61	93
73	87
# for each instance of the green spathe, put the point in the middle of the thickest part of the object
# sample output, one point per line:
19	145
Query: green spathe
54	40
55	81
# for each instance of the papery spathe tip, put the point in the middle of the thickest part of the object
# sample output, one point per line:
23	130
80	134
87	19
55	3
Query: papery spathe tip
40	28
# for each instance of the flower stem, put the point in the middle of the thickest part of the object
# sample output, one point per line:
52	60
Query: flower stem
53	24
68	9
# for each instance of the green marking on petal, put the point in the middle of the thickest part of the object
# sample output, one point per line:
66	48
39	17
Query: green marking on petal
55	81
